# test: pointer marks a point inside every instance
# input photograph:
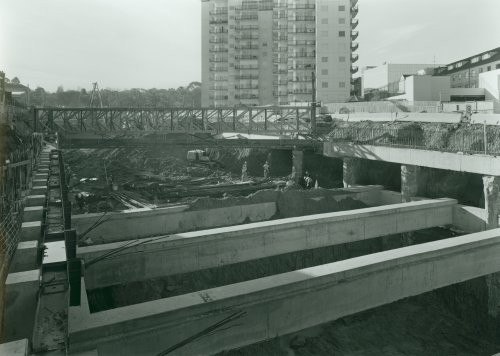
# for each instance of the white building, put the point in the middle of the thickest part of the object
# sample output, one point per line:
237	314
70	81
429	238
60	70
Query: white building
386	77
260	52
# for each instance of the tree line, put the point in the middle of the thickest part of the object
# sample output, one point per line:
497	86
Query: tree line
188	96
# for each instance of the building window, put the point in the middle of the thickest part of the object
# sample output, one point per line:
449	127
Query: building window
324	71
324	84
324	59
341	20
341	59
341	84
341	33
488	69
341	8
480	70
324	21
498	66
264	44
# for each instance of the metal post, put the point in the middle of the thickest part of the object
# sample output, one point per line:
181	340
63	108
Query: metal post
234	119
485	139
249	121
313	104
203	118
171	120
74	276
265	119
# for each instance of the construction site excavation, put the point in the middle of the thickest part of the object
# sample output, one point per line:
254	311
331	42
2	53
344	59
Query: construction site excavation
230	178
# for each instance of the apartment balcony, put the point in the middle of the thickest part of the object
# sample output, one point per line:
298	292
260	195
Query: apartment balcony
354	11
246	46
280	93
354	35
302	6
354	46
217	21
354	58
246	36
246	67
280	60
218	12
280	38
300	91
218	29
246	77
354	23
302	55
246	96
246	86
218	79
218	97
218	50
217	88
302	18
354	69
280	49
215	68
217	40
301	30
302	43
246	27
280	82
246	57
307	79
308	67
217	60
247	18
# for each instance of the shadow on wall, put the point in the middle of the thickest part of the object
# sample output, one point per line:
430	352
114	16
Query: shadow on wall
381	173
328	170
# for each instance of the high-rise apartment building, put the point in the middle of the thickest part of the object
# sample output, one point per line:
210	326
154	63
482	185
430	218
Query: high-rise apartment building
261	52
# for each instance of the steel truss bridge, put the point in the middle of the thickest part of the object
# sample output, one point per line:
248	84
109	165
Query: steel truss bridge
254	119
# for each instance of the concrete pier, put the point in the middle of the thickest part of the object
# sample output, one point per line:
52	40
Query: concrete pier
33	213
409	182
26	257
351	171
298	163
21	292
31	231
187	252
491	190
281	304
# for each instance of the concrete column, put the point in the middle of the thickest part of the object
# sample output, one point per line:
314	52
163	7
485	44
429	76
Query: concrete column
33	213
409	182
298	163
31	231
351	171
35	200
21	293
26	257
491	188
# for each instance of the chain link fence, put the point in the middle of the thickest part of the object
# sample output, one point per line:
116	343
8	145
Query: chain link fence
16	169
473	140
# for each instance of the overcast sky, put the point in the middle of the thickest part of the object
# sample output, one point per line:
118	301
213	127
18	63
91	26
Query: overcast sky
157	43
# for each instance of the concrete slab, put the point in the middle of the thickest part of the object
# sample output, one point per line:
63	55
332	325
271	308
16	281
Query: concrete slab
35	200
21	299
40	190
31	231
33	213
25	258
15	348
39	182
282	304
192	251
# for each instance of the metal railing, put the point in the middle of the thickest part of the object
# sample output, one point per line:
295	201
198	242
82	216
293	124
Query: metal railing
474	139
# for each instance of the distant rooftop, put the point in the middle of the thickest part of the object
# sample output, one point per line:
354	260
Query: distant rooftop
470	62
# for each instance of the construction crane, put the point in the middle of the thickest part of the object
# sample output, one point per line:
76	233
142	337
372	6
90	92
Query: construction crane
95	97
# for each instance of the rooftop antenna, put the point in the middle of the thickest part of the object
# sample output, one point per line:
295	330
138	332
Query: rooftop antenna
95	96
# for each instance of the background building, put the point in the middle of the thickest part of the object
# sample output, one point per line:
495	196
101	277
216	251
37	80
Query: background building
465	72
385	79
260	52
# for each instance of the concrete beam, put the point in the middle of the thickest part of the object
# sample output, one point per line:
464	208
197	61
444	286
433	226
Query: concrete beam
35	200
21	292
15	348
26	257
136	223
281	304
480	164
40	190
31	231
192	251
33	213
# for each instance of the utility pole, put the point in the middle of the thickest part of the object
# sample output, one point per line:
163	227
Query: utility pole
313	104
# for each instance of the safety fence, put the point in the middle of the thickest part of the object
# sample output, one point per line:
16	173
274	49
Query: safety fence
16	170
471	140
